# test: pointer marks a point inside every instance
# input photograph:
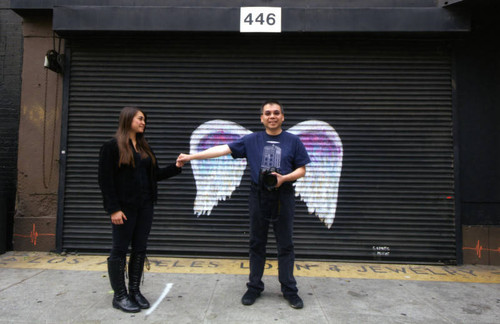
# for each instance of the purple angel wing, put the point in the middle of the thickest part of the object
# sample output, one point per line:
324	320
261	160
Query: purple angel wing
216	179
319	188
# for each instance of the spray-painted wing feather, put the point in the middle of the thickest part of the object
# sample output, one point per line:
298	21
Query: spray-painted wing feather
216	179
319	188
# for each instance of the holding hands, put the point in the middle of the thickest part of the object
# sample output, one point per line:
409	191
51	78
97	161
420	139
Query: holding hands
182	159
179	164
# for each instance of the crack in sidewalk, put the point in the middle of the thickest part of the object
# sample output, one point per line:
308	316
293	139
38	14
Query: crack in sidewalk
22	281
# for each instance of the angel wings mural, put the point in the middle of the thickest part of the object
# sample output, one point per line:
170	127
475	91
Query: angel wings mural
216	179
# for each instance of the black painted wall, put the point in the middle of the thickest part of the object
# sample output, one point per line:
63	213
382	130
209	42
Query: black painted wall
11	40
478	104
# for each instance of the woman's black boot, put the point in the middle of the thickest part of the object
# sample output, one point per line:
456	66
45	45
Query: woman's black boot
116	271
135	268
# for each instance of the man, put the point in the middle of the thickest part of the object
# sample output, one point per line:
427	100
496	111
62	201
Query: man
276	158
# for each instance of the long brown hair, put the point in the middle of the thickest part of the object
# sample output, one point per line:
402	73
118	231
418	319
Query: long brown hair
122	138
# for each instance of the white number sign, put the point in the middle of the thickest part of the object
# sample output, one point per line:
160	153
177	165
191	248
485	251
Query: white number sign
260	20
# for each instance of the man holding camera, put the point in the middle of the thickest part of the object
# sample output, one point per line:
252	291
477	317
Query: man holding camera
276	158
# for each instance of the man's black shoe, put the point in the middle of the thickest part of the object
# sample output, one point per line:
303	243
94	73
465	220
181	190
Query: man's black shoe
249	297
295	301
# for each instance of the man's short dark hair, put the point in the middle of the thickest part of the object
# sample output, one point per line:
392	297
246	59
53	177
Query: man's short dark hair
272	101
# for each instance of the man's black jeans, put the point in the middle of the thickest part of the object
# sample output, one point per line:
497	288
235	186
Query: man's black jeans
283	232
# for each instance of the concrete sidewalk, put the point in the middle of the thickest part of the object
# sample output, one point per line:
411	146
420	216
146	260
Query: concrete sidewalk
47	294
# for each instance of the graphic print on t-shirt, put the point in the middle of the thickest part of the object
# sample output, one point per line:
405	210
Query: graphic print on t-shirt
271	156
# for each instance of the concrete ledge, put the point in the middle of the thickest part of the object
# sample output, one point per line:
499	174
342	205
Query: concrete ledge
481	244
34	233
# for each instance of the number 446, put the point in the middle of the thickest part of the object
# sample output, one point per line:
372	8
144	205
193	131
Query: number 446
270	19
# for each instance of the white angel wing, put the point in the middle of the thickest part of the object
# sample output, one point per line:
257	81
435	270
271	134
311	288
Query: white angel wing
216	179
319	188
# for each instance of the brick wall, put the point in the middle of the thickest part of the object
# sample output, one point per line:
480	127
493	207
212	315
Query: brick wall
11	40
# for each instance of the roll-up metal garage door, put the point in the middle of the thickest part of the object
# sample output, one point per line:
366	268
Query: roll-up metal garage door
389	101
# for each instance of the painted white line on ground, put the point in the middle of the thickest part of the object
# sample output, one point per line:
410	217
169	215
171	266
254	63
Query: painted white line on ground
163	295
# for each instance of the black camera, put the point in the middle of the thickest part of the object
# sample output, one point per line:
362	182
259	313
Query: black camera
267	179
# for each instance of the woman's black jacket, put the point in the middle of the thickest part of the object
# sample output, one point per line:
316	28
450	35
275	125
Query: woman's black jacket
119	186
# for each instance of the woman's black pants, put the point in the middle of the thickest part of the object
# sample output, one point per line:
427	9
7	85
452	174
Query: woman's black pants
134	231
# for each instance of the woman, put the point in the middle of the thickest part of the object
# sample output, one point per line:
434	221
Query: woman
128	175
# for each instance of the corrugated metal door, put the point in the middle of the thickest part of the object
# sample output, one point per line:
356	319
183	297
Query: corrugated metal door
388	100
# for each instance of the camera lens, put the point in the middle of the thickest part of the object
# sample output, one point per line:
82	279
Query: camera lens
270	180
